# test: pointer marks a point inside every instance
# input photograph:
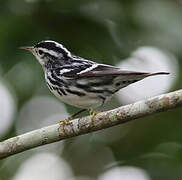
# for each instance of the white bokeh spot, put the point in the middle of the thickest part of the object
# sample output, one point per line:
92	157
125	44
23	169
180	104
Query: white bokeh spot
7	108
46	166
125	173
149	59
38	112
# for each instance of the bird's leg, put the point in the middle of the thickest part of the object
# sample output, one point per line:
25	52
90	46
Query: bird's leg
67	120
93	113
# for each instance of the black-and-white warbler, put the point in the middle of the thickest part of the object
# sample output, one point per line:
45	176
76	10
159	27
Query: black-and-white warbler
80	82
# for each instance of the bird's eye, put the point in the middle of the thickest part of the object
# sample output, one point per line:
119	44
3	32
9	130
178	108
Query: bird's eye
40	52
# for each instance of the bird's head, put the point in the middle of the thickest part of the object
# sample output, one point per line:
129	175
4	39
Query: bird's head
46	51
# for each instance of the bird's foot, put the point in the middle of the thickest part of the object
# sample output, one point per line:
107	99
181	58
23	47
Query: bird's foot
93	114
65	122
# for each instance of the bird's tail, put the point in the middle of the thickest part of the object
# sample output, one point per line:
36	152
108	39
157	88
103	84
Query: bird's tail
158	73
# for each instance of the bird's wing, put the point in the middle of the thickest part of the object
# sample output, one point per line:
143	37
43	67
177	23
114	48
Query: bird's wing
106	70
97	70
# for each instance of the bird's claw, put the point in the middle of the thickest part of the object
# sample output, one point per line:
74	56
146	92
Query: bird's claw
65	122
93	114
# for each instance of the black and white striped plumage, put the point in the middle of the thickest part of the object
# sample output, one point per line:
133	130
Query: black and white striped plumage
80	82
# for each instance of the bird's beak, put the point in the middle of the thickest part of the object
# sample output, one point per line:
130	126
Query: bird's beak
28	48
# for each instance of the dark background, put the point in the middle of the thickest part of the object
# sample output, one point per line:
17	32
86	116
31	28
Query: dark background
106	31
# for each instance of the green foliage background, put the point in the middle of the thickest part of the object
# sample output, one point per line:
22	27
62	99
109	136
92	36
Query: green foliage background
106	31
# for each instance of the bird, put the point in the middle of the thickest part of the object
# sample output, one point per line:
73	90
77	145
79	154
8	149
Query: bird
78	81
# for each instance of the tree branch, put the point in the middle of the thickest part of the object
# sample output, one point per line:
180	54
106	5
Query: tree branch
83	125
